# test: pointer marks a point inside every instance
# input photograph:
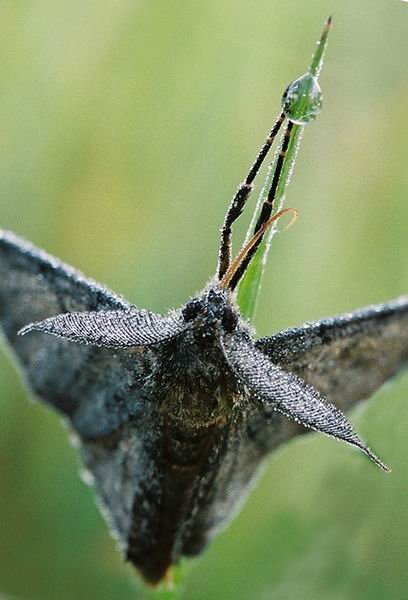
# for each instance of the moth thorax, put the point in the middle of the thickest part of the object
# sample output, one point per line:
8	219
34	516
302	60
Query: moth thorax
197	408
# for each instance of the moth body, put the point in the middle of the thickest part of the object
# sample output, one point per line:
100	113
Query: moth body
184	477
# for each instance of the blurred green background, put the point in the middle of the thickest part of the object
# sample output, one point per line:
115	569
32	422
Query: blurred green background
125	127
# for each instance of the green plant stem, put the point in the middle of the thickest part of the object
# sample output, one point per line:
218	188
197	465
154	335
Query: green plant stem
305	102
249	288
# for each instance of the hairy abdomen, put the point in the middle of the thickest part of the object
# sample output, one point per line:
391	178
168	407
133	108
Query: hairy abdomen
163	518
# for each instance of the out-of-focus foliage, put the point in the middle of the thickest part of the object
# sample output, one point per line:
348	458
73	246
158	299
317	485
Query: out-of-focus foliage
125	128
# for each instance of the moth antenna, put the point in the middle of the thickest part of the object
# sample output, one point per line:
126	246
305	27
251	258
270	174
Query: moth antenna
239	200
229	280
268	204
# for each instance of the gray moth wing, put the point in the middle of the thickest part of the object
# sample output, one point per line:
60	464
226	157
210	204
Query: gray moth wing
111	328
278	390
98	390
92	386
346	357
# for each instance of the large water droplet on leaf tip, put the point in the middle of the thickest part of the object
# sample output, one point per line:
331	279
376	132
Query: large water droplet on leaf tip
302	100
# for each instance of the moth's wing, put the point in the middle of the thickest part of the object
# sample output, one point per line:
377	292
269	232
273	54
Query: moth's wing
94	387
277	390
346	357
101	391
112	328
35	285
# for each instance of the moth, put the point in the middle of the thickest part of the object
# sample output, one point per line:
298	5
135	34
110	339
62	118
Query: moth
174	414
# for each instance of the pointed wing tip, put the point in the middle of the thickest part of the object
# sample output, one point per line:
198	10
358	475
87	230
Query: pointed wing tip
27	329
383	466
37	326
377	460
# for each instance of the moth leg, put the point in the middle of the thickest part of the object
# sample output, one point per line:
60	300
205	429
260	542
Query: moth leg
239	200
267	207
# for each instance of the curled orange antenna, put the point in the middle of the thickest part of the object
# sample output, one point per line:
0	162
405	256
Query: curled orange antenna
243	253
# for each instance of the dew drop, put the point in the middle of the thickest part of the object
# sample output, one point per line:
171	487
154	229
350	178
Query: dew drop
302	100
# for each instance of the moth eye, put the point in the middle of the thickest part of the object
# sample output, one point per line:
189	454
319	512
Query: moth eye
192	309
229	320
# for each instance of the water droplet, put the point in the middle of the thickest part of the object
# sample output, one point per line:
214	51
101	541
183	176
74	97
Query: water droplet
302	100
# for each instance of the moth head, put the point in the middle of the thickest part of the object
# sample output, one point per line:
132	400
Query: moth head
212	309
